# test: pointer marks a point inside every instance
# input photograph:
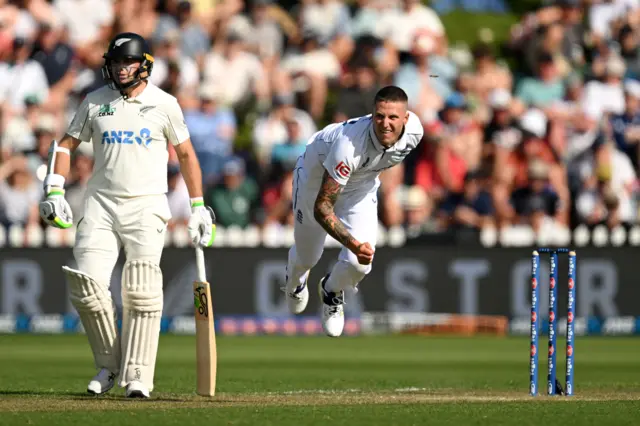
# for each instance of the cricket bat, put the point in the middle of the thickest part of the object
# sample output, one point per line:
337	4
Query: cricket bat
206	354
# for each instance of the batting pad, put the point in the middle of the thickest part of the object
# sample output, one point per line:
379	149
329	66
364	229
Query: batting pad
141	311
98	316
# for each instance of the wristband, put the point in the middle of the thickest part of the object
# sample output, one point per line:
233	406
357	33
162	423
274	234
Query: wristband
197	202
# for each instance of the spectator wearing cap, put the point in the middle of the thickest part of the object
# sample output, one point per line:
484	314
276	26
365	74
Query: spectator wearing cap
535	149
355	98
213	128
502	134
237	198
543	89
21	77
239	74
460	147
470	208
625	127
417	209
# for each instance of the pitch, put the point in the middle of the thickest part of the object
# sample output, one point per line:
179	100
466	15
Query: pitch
390	380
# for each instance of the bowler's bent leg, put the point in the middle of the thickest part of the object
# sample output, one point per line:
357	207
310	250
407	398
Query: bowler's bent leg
96	253
142	229
361	221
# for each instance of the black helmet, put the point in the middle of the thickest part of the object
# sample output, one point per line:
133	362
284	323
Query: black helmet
127	46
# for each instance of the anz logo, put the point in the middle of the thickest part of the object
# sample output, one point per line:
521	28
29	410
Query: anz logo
127	137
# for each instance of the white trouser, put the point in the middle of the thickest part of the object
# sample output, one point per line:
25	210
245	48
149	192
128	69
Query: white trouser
358	213
138	225
109	224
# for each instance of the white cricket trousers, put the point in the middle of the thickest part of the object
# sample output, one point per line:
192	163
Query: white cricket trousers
358	213
138	224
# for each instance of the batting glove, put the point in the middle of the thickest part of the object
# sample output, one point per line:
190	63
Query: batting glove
55	210
202	227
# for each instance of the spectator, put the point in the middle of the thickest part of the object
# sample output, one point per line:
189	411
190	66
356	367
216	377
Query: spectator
469	209
461	146
81	170
53	54
399	27
236	199
21	77
271	130
488	74
19	193
417	211
238	73
415	77
277	198
356	98
287	153
625	127
330	21
605	97
543	89
213	128
168	57
310	67
86	21
536	203
194	40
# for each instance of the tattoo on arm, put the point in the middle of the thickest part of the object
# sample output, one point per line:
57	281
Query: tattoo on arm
323	212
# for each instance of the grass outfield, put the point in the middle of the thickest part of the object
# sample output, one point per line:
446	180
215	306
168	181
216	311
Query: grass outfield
399	380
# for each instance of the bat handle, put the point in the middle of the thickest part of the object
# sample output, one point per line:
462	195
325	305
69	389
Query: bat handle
202	276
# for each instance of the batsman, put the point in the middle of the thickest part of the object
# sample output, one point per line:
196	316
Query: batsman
130	123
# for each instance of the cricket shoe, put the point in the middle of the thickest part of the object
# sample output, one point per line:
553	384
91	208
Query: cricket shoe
297	298
136	389
332	309
101	382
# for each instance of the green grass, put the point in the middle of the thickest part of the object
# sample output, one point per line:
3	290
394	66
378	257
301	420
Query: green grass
464	27
395	380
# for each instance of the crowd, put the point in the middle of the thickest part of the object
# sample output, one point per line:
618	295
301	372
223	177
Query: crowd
540	132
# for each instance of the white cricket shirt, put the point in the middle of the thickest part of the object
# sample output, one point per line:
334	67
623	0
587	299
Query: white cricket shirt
129	139
352	155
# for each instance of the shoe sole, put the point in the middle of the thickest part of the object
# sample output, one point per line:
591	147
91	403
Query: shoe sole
137	394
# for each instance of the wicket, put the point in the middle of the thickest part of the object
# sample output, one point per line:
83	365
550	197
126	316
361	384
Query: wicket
553	385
